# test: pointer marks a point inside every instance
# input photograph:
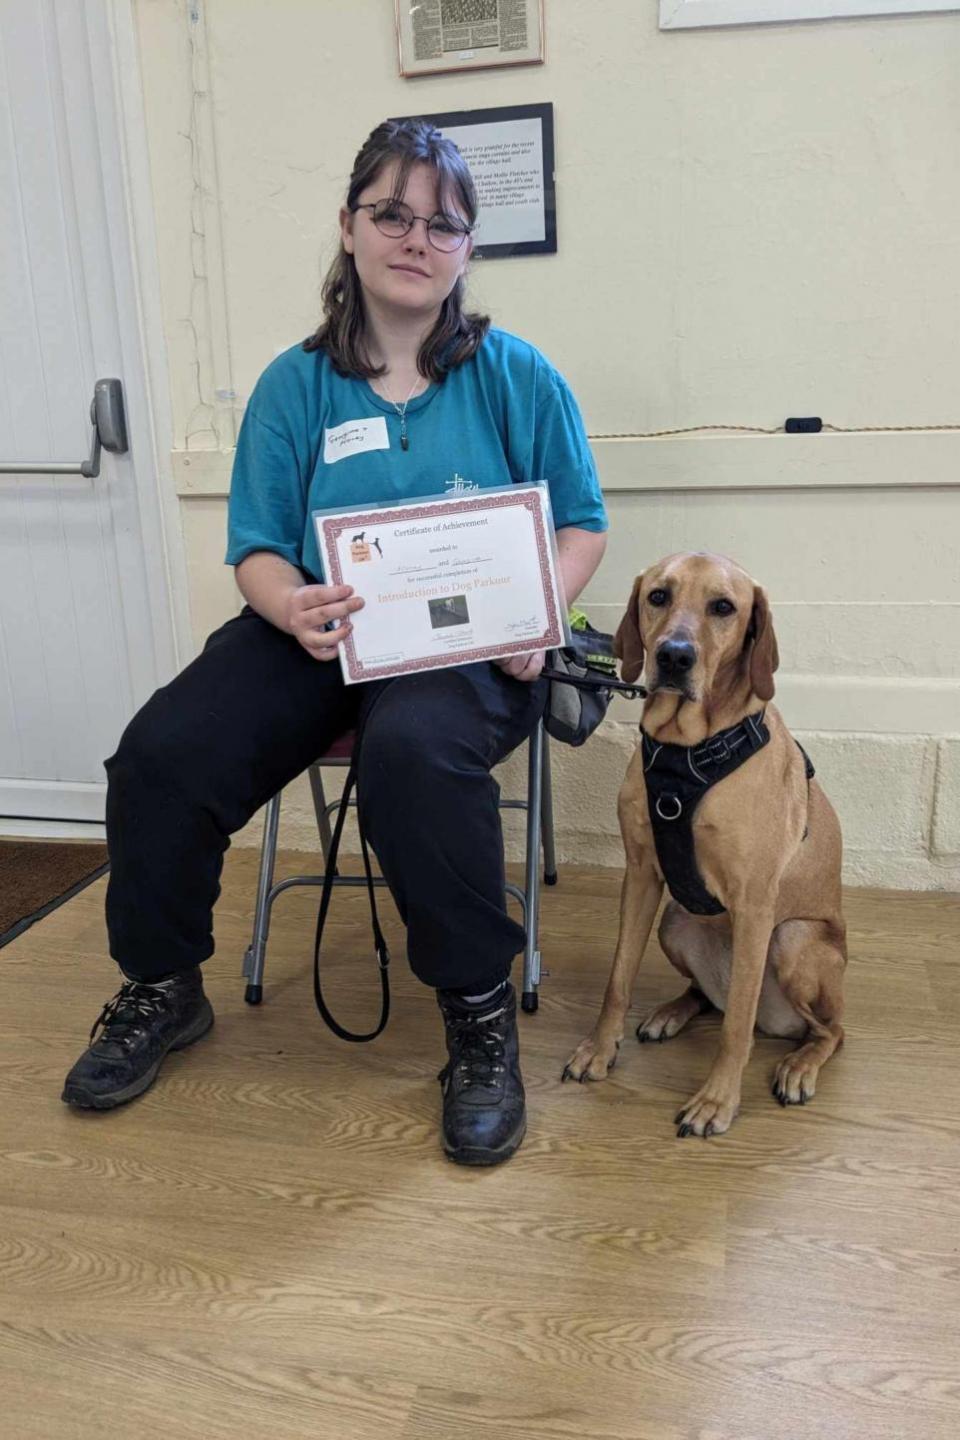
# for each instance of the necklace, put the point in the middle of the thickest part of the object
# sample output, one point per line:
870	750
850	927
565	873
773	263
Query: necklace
401	409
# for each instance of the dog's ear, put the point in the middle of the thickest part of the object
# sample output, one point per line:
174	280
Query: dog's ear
627	644
763	652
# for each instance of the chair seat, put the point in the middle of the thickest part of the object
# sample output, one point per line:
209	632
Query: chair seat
340	752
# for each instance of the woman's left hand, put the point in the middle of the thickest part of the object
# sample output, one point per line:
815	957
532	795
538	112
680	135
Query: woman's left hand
524	667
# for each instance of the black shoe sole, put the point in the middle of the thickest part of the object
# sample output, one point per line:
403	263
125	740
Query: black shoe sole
474	1155
81	1099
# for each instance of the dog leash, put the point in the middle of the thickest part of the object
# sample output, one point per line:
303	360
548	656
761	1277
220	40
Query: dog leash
592	683
380	944
598	682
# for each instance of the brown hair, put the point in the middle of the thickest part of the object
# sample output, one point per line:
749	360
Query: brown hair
456	335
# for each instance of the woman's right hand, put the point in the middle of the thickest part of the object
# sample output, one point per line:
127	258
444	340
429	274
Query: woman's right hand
310	608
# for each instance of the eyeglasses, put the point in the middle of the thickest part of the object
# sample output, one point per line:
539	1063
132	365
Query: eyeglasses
395	219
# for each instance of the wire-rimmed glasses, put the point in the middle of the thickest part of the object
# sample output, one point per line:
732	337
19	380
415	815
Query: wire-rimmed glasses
395	219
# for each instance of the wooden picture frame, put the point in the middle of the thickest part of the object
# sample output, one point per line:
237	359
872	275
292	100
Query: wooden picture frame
438	36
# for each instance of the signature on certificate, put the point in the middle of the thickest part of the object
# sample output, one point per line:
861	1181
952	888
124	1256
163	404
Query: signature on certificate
522	625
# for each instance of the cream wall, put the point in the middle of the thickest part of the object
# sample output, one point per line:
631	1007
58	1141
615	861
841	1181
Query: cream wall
753	223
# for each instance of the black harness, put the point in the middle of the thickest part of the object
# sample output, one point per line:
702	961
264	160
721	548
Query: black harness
677	778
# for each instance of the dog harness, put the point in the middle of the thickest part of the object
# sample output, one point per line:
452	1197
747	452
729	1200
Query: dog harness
677	778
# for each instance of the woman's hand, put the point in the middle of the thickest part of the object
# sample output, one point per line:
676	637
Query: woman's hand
524	667
310	607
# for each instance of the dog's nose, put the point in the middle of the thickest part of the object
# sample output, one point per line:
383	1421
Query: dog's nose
676	657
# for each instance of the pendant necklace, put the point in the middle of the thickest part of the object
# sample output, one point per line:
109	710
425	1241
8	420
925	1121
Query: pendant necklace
401	410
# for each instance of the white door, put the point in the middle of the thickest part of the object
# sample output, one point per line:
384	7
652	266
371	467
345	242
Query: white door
86	631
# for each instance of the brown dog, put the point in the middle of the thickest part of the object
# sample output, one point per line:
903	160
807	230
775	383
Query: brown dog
765	843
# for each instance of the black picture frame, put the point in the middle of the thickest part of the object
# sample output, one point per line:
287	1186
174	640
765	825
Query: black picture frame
503	115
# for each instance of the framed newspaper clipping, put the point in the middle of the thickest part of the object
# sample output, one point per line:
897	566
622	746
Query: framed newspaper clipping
441	35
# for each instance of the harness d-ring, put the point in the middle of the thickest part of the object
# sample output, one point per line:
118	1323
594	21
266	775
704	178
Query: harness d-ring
676	800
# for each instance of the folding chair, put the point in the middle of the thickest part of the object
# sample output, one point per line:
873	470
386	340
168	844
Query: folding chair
539	808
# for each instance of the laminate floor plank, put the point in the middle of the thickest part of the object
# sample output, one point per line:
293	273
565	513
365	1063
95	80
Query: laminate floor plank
271	1243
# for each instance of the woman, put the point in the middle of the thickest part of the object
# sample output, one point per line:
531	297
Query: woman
464	406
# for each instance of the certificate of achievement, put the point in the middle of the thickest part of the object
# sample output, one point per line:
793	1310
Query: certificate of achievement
446	581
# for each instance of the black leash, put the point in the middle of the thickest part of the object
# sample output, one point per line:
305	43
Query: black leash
597	681
383	954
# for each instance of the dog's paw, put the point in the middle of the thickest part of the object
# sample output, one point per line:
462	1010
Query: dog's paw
665	1022
593	1059
795	1081
706	1114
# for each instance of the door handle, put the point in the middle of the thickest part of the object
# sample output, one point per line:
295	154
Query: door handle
109	433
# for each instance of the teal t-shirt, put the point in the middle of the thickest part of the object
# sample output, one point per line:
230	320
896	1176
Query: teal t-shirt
505	416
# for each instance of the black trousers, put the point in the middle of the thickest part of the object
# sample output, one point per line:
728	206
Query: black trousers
250	714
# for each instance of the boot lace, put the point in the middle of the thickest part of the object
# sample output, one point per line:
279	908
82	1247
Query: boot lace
125	1016
477	1051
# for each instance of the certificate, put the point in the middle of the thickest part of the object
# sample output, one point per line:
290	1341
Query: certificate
446	581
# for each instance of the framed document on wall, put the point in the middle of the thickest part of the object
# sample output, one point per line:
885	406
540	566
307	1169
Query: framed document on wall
434	36
509	150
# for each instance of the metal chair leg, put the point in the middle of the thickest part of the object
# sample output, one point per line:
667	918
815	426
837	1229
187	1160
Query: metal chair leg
254	958
320	809
546	827
531	954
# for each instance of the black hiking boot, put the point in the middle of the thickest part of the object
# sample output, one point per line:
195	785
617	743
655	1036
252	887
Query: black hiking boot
484	1113
141	1024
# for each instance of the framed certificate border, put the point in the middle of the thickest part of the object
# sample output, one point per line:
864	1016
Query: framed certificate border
427	18
533	498
502	116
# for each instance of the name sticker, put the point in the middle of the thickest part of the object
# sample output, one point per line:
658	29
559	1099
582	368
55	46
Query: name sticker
353	437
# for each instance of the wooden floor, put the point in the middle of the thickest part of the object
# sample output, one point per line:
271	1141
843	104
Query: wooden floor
271	1244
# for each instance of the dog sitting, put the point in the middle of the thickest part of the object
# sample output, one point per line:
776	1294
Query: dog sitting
719	802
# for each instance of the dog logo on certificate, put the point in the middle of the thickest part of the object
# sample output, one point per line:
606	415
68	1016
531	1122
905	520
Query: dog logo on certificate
362	549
